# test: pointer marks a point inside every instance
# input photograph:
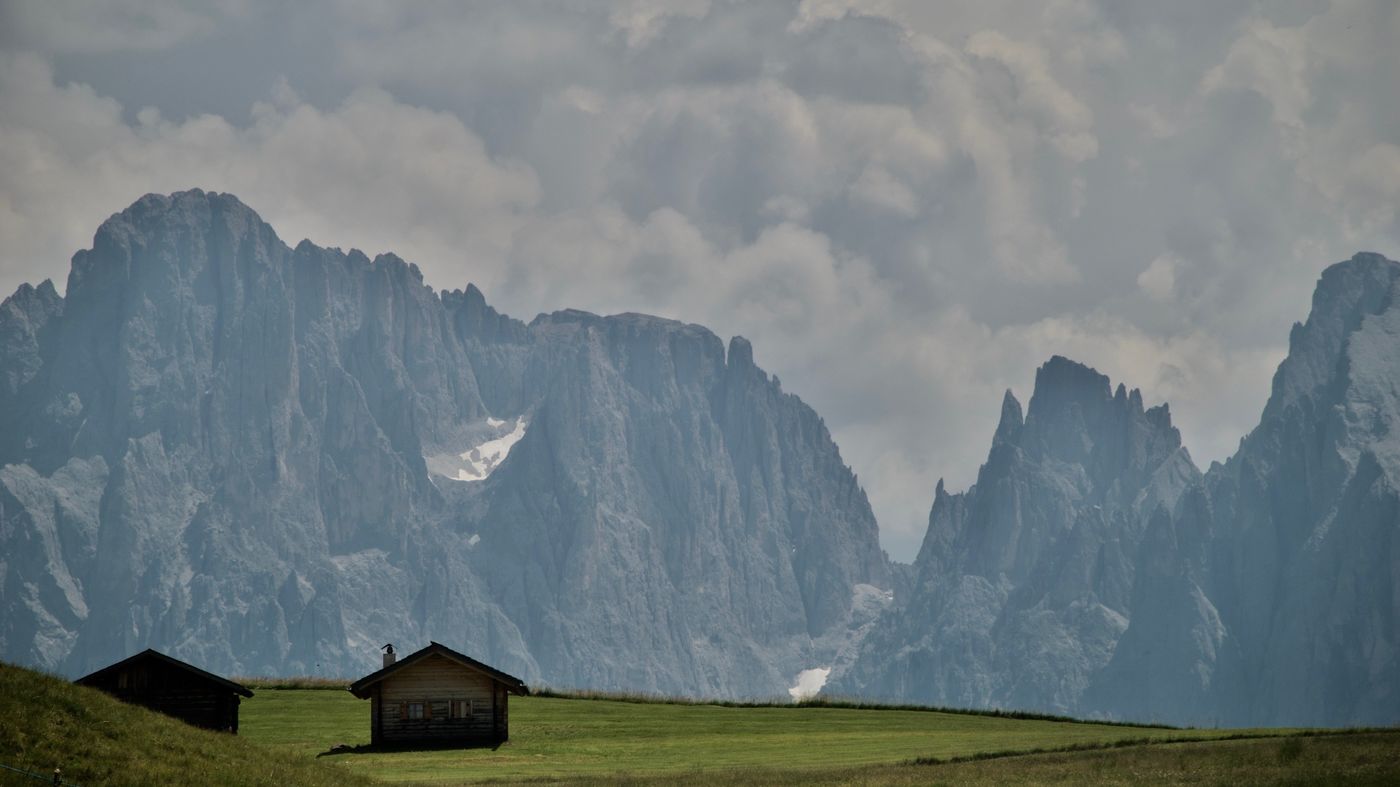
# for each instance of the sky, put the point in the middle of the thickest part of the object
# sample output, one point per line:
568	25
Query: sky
905	206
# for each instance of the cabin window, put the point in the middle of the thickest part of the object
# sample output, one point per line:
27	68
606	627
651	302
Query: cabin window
461	709
122	680
415	710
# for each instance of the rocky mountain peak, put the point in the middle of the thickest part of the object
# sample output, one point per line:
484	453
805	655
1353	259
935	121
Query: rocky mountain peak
26	295
1075	416
1269	598
1347	294
1062	384
23	317
1030	571
284	457
1009	425
1093	570
398	266
740	354
162	243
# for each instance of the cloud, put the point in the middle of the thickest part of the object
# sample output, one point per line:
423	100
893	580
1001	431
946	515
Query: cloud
119	25
906	206
1065	120
1270	61
641	20
1159	278
371	172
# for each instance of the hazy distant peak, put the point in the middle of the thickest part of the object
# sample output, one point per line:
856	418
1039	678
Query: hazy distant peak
1011	421
1347	293
740	352
154	211
289	427
163	234
1060	383
27	295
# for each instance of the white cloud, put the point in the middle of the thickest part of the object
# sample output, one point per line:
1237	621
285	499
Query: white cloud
1158	279
371	173
1270	61
1066	122
879	188
641	20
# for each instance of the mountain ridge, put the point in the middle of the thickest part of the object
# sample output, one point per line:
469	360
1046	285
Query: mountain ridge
1258	592
272	458
222	447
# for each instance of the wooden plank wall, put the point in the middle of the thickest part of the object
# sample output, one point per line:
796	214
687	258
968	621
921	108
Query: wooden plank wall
436	680
502	714
174	692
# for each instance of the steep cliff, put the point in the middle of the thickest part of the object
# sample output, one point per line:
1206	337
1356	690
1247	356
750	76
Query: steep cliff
1278	601
1024	580
275	459
1093	570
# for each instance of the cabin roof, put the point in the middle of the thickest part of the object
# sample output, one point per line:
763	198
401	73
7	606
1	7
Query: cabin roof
515	685
150	653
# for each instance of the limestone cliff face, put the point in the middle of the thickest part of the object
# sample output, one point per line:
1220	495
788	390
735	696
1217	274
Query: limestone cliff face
1277	600
1025	580
1093	570
269	459
275	459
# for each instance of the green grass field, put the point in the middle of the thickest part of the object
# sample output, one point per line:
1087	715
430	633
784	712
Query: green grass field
1352	759
287	734
555	738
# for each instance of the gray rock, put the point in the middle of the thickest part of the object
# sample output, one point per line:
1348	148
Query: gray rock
1093	570
1024	581
220	446
1275	600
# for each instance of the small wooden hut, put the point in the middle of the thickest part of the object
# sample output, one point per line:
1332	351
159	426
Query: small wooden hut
437	696
154	680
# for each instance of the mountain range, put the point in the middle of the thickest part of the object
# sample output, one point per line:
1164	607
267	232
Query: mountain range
1093	569
269	459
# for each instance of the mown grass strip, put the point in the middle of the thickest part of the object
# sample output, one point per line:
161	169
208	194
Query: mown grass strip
1124	743
844	703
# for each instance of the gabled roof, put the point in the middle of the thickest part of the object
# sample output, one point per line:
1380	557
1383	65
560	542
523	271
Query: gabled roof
149	653
513	684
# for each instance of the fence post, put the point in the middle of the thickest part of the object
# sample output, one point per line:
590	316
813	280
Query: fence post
57	777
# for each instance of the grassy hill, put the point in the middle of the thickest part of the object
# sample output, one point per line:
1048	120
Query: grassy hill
47	722
288	736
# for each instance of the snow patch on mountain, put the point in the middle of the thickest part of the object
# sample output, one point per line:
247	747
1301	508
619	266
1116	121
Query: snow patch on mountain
479	461
809	682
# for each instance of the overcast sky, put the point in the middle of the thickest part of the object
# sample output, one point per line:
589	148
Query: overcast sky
907	206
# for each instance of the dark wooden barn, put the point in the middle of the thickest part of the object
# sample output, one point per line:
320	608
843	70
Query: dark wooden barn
438	696
156	681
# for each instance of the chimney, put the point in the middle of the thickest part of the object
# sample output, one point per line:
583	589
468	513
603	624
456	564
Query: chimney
389	656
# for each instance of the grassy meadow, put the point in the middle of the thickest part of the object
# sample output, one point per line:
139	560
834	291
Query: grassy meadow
559	738
1352	759
293	735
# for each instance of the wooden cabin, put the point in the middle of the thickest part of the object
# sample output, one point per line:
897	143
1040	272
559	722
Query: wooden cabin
437	696
154	680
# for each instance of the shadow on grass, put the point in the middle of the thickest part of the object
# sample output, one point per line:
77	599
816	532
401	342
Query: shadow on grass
388	748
